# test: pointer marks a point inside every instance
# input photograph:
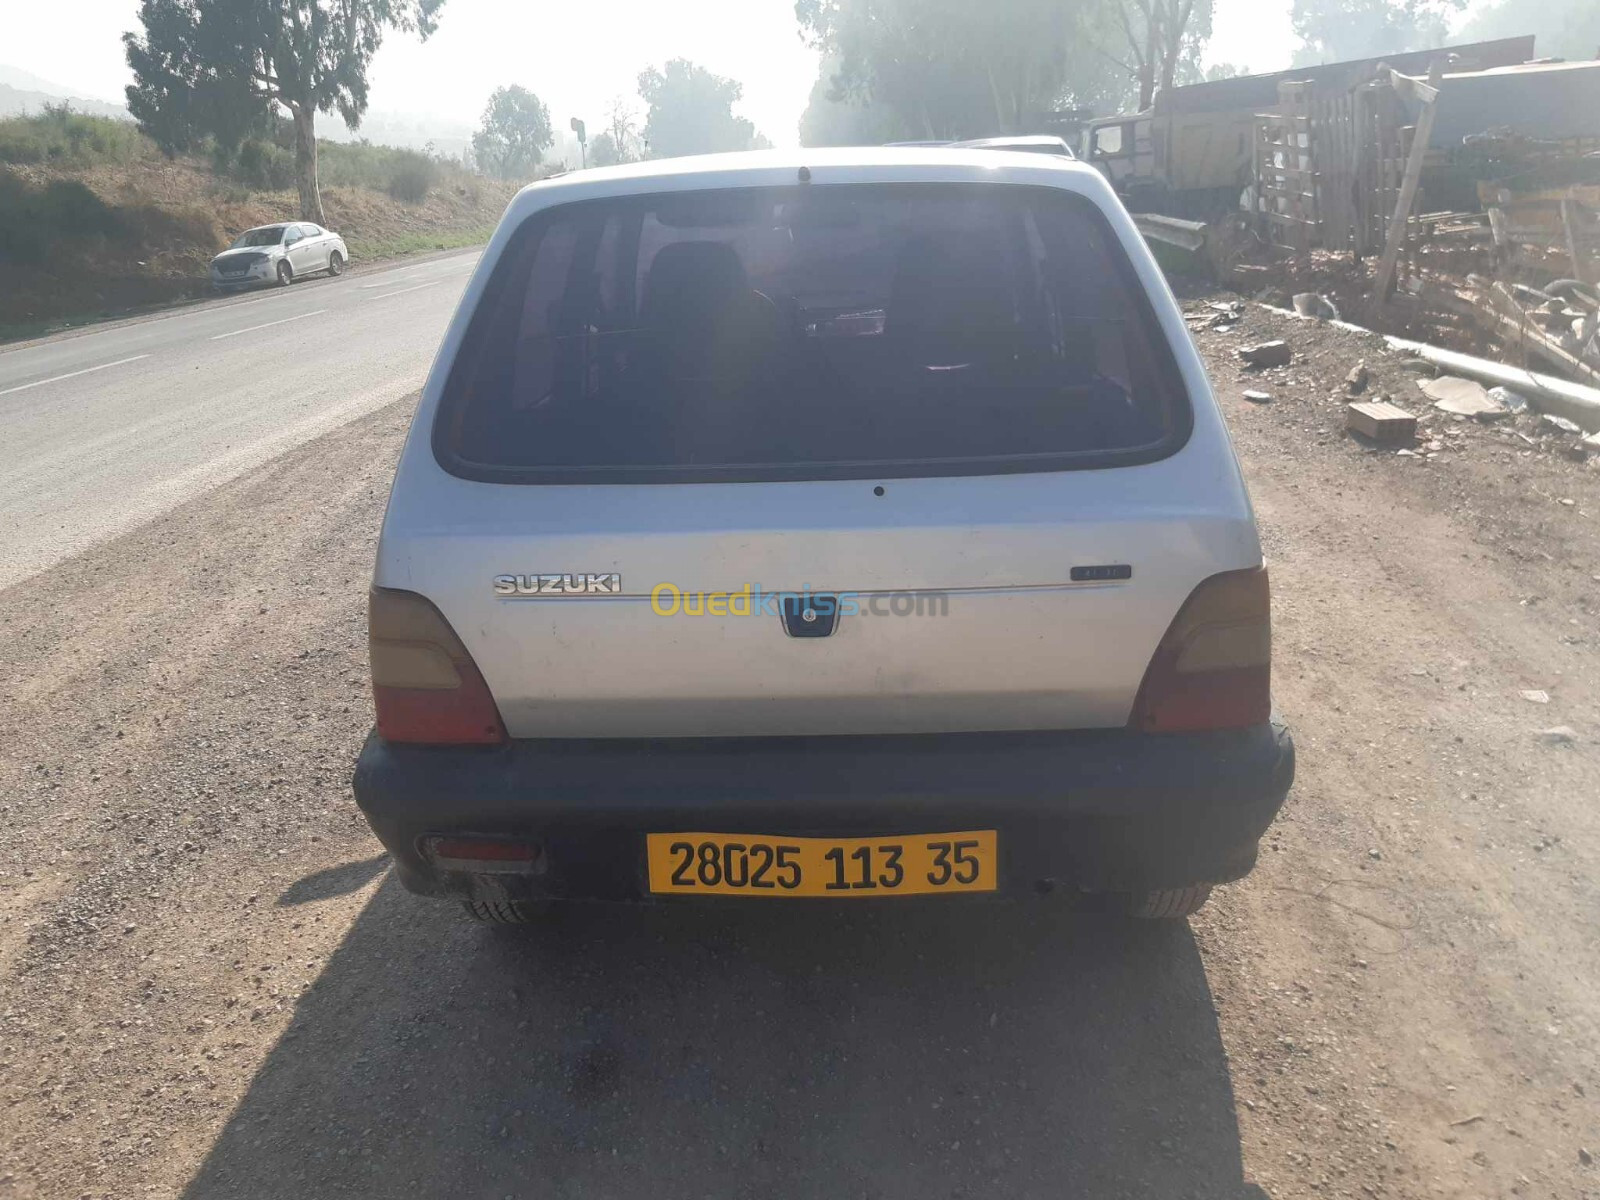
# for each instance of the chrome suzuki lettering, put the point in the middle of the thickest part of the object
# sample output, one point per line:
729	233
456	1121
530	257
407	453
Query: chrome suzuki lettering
578	583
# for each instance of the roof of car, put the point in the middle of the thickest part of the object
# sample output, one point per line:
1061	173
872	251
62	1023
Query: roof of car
1040	140
775	168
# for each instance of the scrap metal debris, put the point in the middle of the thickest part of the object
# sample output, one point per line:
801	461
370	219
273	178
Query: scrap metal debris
1462	398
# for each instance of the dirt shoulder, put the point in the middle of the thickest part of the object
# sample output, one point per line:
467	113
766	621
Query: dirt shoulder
212	987
1407	982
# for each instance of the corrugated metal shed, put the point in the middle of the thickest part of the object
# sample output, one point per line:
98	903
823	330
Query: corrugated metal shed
1256	93
1554	101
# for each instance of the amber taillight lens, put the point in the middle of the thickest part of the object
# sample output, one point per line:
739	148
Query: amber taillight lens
1213	669
425	687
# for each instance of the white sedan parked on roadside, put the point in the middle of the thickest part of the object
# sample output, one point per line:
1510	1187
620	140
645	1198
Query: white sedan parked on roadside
277	254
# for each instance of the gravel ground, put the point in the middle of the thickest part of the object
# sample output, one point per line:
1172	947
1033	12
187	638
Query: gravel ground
211	987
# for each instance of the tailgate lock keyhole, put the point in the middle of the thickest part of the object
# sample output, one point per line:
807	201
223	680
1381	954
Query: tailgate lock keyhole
810	615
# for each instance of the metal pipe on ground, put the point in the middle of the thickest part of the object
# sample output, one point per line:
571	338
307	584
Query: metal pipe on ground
1576	402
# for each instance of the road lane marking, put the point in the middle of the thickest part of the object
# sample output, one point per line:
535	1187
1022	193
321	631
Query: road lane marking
297	317
367	287
72	374
403	291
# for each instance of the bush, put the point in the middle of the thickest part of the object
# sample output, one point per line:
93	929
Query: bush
355	164
407	175
150	225
264	166
34	219
412	176
261	165
59	135
71	208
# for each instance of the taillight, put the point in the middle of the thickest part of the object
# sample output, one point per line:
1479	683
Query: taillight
425	687
1213	669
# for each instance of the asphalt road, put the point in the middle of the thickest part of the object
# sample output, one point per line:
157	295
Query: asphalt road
103	430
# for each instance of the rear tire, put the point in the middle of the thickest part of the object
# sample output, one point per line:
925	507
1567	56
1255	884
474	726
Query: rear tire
503	912
335	264
285	274
1169	905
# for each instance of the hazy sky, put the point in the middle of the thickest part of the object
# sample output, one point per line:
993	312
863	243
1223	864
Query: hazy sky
576	56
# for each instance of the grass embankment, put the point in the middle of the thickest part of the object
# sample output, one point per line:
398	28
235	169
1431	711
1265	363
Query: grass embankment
95	221
420	243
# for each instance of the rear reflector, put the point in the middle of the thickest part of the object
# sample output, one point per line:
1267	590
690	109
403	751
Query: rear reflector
425	687
486	855
1213	669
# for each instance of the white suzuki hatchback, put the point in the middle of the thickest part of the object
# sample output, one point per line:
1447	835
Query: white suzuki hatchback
851	524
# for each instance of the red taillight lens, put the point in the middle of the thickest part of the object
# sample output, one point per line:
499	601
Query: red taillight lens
1213	669
425	687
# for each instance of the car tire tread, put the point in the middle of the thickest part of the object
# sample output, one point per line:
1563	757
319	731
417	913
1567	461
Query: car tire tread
1169	904
500	912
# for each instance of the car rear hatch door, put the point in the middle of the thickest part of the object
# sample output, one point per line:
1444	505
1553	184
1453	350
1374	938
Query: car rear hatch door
949	413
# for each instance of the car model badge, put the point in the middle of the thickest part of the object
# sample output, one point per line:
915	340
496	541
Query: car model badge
582	584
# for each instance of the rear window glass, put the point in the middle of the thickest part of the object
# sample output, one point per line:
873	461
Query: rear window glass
811	333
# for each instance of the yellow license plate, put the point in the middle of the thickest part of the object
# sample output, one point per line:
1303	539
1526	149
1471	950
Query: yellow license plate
743	864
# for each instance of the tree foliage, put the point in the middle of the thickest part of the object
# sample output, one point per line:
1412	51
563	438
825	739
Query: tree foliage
619	141
690	111
1223	70
603	151
954	68
187	86
832	118
222	68
515	134
1564	28
1336	30
1161	42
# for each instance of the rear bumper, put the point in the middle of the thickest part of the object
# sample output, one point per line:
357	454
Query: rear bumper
1103	810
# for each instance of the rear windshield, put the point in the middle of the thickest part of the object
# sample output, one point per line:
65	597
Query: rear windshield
811	333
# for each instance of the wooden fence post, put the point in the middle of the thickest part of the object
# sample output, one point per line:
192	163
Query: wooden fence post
1428	93
1569	221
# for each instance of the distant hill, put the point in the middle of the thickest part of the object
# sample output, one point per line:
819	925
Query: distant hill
14	102
24	92
413	131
